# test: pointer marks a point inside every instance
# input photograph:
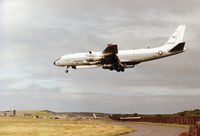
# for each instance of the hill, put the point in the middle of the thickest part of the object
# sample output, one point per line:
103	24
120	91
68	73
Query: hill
195	112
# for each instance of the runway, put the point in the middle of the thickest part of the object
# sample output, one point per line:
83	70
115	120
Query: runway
152	130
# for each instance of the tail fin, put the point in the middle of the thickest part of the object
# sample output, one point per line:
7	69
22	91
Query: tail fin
176	38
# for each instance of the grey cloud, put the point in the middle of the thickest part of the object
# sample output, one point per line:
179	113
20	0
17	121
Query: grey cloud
141	104
36	97
35	33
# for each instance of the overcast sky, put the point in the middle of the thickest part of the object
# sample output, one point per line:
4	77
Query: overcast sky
35	33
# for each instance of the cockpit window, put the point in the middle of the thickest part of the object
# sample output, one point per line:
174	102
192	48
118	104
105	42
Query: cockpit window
58	59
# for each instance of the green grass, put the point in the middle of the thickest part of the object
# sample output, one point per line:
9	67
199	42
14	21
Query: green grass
42	113
195	112
187	113
28	126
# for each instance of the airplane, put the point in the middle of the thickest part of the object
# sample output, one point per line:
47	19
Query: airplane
112	59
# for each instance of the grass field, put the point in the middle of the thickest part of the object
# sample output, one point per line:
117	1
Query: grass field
11	126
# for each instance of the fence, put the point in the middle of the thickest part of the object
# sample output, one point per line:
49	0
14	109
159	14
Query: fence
193	131
157	119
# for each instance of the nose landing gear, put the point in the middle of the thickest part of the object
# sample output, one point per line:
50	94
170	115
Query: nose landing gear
66	71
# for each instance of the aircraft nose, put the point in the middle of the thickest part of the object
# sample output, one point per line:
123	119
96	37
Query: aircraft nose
55	61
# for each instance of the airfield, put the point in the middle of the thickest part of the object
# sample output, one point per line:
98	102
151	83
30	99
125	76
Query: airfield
26	126
42	123
49	123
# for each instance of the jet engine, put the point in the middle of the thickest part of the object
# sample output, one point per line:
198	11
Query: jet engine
85	67
107	66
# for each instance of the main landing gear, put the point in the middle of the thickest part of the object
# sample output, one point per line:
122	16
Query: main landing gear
120	70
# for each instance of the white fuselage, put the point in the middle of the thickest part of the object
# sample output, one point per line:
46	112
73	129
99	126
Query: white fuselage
134	56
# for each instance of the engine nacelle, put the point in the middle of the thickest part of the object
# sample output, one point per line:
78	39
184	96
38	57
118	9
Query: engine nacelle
107	66
86	67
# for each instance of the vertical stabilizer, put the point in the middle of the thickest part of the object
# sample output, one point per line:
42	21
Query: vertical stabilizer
94	115
176	38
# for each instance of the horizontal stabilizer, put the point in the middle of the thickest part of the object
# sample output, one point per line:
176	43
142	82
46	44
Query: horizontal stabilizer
178	47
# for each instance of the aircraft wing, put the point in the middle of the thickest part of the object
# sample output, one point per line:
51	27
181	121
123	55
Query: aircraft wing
111	49
111	59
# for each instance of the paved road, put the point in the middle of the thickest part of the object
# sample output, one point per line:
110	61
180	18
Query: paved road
152	130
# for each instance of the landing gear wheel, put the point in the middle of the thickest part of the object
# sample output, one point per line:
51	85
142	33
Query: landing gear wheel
66	71
122	70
